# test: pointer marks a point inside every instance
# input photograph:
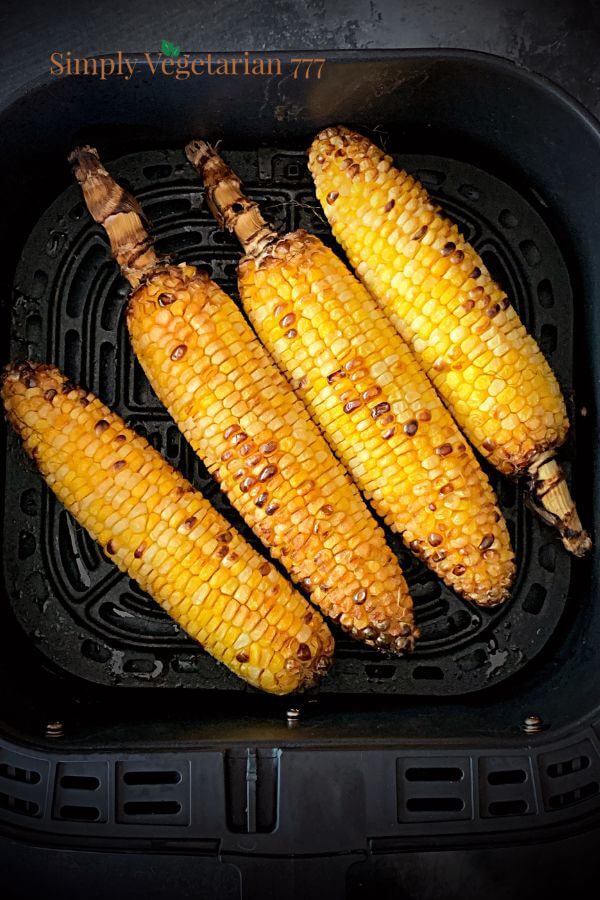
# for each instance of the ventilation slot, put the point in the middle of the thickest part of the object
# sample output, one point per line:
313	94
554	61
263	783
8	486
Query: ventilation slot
435	804
79	813
149	794
559	801
79	783
557	770
18	805
152	808
434	774
507	808
152	777
25	776
81	792
506	787
571	776
512	776
434	792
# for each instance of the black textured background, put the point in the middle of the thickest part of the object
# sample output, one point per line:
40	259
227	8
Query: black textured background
556	38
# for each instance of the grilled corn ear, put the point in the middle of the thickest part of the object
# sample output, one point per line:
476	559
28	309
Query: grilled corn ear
240	415
165	535
362	385
458	321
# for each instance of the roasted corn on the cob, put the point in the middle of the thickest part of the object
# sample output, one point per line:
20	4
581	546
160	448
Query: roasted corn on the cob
240	415
164	534
460	324
363	386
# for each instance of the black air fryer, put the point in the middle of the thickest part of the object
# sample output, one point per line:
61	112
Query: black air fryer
118	733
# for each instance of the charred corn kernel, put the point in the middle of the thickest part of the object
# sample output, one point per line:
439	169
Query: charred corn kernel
240	415
176	555
363	386
416	264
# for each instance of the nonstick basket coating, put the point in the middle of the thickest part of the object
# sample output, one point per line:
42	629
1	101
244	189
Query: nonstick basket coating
93	621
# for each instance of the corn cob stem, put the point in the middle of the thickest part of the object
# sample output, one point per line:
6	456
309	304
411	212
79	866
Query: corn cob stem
241	417
438	294
118	212
362	385
164	534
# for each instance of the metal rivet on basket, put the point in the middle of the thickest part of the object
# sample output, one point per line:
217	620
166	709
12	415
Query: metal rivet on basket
293	716
532	724
55	729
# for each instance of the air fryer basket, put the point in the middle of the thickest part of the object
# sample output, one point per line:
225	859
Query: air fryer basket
405	746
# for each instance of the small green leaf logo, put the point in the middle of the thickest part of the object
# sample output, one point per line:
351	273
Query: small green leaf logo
169	49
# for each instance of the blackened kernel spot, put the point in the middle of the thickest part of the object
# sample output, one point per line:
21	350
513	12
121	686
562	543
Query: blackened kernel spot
332	196
287	320
247	483
268	447
444	449
140	551
459	570
261	499
420	234
242	657
30	382
448	248
424	415
303	652
245	449
435	539
267	473
487	541
468	305
360	597
351	405
446	489
326	510
101	426
189	523
165	299
476	273
389	206
110	547
415	546
265	568
271	508
331	378
84	401
475	292
238	437
388	433
489	445
230	431
411	428
371	393
50	395
492	311
225	537
457	257
380	409
432	507
226	456
120	464
179	352
222	551
292	333
120	439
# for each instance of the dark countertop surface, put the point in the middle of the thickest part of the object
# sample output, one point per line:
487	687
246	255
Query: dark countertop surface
559	39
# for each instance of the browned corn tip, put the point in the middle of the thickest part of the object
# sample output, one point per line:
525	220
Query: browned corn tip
181	325
135	505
